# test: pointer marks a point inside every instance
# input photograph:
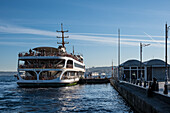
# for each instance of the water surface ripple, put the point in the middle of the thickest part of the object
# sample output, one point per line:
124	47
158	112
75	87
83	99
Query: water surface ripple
80	98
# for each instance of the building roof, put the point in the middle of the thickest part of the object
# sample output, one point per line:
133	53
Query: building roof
154	62
131	63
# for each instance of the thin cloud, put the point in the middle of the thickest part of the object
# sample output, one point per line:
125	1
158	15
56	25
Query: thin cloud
98	38
28	38
21	30
122	35
113	40
17	43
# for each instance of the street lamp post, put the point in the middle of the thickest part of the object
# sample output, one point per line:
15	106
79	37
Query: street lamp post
166	64
141	45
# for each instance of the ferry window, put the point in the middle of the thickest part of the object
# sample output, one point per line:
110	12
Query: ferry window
78	65
57	74
28	75
42	63
22	64
65	76
59	63
69	64
72	74
76	74
49	75
69	75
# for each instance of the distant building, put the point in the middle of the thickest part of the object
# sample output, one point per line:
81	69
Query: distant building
95	74
134	69
103	75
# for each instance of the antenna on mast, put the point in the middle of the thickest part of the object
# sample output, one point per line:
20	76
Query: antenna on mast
62	31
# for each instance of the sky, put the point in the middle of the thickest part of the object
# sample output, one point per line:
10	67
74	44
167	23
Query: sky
93	27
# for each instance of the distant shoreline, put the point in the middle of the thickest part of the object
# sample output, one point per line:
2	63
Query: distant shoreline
8	71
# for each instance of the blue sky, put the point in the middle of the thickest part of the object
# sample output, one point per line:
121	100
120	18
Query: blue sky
92	25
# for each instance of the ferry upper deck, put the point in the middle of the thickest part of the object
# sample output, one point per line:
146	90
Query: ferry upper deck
47	53
49	58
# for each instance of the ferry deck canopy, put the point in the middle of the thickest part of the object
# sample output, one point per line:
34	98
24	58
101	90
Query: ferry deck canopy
47	49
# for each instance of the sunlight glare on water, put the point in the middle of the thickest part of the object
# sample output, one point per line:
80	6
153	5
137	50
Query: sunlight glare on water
80	98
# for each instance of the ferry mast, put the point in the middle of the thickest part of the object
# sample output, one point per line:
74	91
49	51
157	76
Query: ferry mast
62	31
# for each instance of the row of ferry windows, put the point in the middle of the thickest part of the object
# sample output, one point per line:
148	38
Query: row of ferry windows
46	75
42	63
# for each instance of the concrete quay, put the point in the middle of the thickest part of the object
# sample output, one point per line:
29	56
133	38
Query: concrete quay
137	97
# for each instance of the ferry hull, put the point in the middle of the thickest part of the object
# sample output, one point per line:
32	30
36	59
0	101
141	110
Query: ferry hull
36	85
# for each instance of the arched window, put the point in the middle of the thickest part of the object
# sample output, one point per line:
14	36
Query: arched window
49	75
69	64
28	75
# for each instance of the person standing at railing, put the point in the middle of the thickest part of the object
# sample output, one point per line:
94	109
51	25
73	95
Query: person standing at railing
30	51
154	85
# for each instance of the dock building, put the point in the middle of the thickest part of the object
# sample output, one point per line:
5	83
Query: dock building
134	69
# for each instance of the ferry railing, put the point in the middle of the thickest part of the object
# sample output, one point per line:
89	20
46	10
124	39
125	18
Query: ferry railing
40	66
26	54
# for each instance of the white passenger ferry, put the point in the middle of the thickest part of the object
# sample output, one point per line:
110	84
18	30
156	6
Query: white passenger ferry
49	66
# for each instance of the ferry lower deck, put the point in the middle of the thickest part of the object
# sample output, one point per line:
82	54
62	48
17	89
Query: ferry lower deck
51	84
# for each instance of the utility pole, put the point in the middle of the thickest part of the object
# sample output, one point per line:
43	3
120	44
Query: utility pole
112	69
63	42
140	64
166	63
118	53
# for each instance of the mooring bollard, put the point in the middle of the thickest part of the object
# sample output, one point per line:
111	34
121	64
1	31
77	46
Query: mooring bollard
140	83
149	91
165	89
136	82
144	84
157	86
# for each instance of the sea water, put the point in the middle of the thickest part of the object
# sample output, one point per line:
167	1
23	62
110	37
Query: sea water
100	98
